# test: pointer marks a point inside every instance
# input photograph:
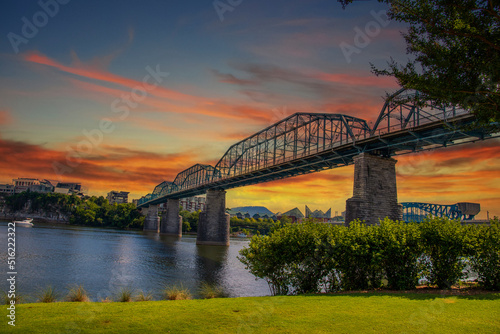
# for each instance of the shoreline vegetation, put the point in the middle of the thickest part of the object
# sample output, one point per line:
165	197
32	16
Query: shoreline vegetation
53	208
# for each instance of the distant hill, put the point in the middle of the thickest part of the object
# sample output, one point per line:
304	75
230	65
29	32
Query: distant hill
261	210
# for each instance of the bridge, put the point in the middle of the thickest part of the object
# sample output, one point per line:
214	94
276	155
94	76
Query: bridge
417	212
305	143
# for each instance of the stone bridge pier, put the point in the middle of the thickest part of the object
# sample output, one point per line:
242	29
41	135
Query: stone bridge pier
213	226
375	194
152	221
171	221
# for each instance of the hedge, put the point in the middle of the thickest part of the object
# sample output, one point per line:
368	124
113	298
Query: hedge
315	257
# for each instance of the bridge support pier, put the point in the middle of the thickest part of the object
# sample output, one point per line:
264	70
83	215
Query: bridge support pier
152	221
213	226
375	193
171	221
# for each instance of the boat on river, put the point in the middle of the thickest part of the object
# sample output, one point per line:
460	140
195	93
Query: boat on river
26	222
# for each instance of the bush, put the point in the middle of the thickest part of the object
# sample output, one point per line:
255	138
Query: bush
401	249
486	259
264	259
292	259
445	245
357	252
312	257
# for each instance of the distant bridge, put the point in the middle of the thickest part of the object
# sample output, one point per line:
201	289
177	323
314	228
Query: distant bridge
305	143
417	212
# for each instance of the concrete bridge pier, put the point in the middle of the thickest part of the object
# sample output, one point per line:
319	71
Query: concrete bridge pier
171	221
375	194
213	226
152	221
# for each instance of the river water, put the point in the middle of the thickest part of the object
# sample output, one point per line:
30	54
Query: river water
106	260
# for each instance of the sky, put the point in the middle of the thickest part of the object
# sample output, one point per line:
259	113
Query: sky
122	95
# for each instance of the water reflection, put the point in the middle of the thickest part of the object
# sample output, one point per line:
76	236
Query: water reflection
210	262
104	261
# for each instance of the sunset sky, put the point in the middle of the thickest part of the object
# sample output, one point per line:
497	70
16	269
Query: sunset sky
121	95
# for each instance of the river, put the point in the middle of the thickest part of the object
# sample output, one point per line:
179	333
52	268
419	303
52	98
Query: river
106	260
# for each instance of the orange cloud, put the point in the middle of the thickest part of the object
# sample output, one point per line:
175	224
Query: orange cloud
166	100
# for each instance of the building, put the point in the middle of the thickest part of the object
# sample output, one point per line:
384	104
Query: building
7	189
23	184
135	202
195	203
118	197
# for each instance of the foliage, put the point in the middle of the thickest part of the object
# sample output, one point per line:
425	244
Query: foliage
315	257
189	220
290	259
91	211
47	295
401	249
486	259
456	49
208	291
252	225
77	294
176	292
357	252
445	245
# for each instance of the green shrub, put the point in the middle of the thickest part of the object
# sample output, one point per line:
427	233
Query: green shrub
445	245
264	259
292	259
358	257
486	254
401	249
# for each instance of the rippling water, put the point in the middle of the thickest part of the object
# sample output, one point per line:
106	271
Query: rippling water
105	260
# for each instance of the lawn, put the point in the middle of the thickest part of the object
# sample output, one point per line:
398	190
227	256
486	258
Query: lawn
345	313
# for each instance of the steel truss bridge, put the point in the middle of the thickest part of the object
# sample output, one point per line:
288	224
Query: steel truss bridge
417	212
305	143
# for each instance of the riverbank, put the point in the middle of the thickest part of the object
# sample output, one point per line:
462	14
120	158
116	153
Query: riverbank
353	313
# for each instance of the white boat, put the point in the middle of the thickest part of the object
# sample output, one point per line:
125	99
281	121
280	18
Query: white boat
26	222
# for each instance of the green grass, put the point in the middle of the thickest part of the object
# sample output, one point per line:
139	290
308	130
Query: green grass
349	313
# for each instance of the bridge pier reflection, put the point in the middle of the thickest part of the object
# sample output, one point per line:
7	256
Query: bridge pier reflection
213	226
171	221
375	194
152	221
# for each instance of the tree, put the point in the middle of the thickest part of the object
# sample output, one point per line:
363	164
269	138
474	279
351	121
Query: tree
456	49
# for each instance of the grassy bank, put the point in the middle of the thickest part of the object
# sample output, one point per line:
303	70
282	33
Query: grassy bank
350	313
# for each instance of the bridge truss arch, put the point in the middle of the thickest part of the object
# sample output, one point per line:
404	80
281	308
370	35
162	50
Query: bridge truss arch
417	212
295	137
